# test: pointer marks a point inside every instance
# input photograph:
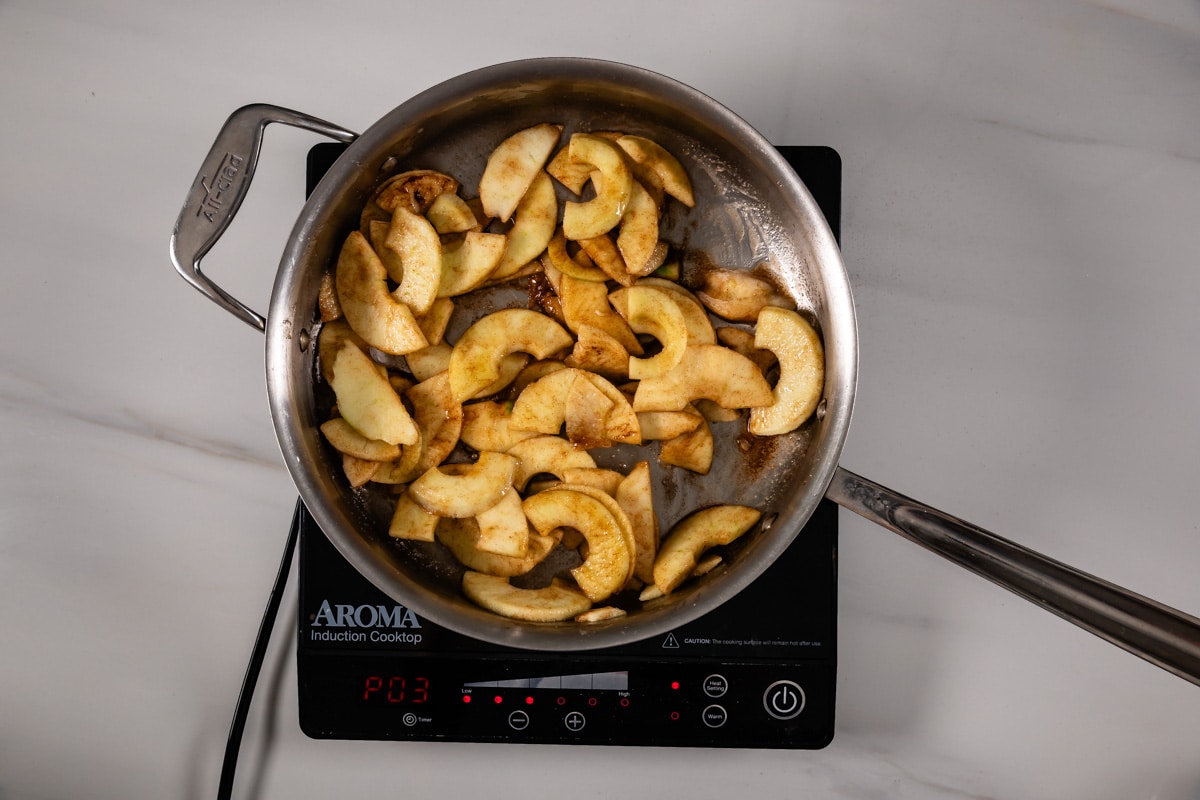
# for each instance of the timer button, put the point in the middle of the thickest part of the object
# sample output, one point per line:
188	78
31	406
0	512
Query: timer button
715	716
716	686
783	699
574	721
518	720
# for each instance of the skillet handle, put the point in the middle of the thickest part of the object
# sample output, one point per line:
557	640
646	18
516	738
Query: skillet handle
218	192
1158	633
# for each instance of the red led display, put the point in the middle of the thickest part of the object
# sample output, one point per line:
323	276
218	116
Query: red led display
395	689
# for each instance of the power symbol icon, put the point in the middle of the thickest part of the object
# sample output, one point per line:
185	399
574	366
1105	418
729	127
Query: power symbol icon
783	699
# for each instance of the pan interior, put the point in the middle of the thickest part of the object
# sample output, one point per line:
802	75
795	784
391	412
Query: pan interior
751	213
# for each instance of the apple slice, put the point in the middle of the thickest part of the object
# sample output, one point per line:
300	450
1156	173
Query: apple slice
700	328
737	295
416	190
635	494
412	254
370	310
706	370
556	251
433	323
572	174
512	167
346	439
606	480
367	401
613	189
553	603
479	487
649	310
638	237
598	352
536	219
609	560
801	371
683	546
663	169
586	303
541	406
411	521
585	414
449	213
607	257
548	454
486	426
475	362
461	536
467	263
329	341
439	419
503	529
692	450
663	425
429	361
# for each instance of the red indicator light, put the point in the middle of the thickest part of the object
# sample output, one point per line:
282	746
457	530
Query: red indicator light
674	684
466	698
528	701
498	699
592	701
624	702
674	716
562	701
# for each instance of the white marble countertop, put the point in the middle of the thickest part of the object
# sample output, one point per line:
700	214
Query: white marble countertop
1022	231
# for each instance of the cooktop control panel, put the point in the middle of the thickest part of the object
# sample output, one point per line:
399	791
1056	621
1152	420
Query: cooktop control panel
759	671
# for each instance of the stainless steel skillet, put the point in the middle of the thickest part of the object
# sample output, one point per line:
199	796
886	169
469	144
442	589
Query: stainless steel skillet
752	212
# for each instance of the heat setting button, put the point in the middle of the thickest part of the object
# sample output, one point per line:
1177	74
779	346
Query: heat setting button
784	699
716	685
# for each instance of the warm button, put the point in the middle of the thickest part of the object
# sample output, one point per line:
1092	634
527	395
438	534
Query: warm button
783	699
715	716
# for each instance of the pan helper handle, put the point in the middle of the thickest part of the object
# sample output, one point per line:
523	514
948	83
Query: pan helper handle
221	186
1158	633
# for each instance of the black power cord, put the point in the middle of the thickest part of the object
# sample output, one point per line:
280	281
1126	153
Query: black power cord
234	743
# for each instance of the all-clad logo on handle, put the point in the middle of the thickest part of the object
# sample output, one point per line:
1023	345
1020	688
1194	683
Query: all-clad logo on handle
216	186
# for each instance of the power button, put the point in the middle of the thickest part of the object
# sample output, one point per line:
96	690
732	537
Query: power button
783	699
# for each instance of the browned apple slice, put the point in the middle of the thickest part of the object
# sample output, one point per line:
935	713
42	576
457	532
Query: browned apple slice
329	341
586	303
585	413
358	471
654	312
512	166
700	329
380	319
692	450
737	295
598	352
561	259
439	419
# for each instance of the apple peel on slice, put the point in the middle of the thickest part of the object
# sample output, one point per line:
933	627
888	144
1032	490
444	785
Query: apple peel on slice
801	371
